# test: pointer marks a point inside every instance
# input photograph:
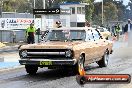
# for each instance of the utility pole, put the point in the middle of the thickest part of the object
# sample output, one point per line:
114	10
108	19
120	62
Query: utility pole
34	3
102	12
43	19
43	4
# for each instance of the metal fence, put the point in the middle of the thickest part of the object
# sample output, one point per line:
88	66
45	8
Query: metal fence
12	35
16	15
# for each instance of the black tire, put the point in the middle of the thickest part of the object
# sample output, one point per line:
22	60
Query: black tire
80	62
31	69
104	61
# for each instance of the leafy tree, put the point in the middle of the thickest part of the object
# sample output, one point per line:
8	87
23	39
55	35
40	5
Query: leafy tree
96	16
15	5
110	12
7	6
121	10
129	11
113	10
89	9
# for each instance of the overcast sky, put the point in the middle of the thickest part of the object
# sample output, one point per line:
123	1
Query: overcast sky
124	1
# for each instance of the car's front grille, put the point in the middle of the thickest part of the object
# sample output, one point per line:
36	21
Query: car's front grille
46	53
46	50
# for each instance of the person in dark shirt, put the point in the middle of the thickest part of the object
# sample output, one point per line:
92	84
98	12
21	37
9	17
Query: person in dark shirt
128	27
128	32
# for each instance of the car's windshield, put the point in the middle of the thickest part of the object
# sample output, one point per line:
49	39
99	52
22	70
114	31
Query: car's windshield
66	35
101	29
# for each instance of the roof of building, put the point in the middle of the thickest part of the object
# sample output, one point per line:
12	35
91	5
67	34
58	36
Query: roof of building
69	3
72	3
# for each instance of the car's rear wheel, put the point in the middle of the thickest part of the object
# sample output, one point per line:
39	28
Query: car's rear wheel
31	69
79	64
104	61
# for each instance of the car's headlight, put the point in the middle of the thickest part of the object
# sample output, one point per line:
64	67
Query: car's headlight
23	53
68	53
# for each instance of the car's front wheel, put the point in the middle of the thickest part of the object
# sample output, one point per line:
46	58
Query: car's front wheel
31	69
104	61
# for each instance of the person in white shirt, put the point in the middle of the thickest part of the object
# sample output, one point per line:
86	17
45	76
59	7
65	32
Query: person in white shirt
128	32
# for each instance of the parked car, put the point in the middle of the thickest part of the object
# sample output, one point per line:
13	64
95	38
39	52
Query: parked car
68	48
104	32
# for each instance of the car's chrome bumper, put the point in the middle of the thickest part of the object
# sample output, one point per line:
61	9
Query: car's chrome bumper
47	62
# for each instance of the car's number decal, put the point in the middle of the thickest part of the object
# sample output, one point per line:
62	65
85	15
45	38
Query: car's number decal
45	62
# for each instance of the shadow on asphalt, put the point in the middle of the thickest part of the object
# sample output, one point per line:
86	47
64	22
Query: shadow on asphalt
54	74
91	67
47	75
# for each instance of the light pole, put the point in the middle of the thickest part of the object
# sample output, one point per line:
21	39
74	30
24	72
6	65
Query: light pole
102	12
34	2
43	19
43	4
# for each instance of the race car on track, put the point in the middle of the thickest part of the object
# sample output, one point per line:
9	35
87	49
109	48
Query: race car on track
66	47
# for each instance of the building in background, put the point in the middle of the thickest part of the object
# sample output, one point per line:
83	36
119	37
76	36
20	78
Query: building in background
77	13
72	14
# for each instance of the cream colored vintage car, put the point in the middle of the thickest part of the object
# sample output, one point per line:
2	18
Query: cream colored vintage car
66	47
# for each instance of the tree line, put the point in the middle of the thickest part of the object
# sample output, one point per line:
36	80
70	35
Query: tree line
113	10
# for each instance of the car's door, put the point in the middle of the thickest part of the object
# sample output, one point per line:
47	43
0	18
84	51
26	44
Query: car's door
97	49
103	41
90	48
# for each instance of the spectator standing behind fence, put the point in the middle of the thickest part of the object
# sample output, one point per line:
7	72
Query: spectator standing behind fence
30	34
13	37
128	32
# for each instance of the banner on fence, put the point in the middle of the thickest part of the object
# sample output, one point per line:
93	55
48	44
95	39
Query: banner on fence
18	23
